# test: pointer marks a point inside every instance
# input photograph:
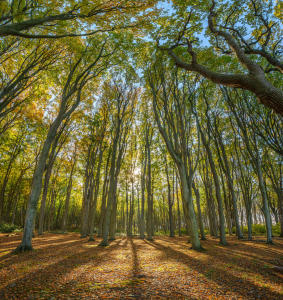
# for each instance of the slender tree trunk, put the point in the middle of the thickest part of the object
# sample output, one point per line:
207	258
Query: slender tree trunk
127	213
230	184
179	214
188	198
217	188
113	213
143	196
149	198
110	191
202	234
16	200
97	180
36	190
51	207
44	195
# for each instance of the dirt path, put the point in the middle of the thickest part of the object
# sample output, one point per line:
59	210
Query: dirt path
63	266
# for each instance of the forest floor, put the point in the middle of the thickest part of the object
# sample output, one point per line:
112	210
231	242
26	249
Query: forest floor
63	266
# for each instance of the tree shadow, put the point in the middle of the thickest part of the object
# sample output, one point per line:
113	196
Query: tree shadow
54	276
227	280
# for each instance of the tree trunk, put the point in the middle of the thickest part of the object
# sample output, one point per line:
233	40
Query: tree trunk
97	180
149	206
106	224
143	196
217	188
36	190
202	234
230	184
186	190
179	214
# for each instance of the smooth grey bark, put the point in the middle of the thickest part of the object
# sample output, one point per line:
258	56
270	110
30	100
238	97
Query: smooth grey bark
246	187
52	158
68	196
179	214
217	187
139	214
229	179
51	208
170	202
127	211
142	225
208	204
179	149
196	191
256	163
149	228
110	191
89	188
104	195
113	216
119	161
106	224
97	181
73	87
132	199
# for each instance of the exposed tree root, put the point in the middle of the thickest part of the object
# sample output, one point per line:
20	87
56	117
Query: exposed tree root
22	248
197	248
103	244
276	268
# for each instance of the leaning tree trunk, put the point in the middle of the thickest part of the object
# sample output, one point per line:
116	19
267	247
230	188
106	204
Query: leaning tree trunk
36	190
217	188
44	196
187	196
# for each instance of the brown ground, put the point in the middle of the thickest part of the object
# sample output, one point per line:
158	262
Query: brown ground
63	266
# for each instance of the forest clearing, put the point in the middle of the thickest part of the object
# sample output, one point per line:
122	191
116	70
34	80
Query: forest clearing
141	149
67	267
